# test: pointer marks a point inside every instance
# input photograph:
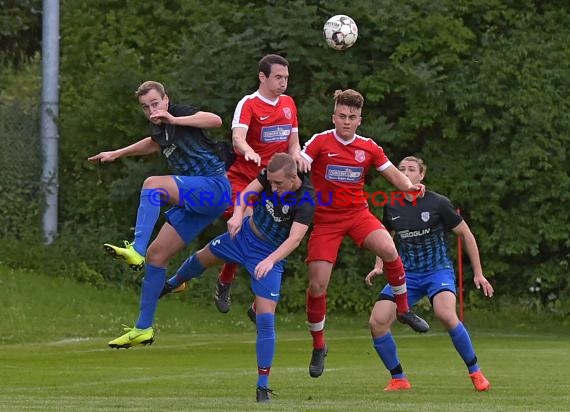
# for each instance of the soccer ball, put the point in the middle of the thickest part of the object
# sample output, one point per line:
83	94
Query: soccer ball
340	32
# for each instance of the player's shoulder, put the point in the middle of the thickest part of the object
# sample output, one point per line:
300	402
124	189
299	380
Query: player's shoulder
364	141
325	134
177	110
307	184
321	137
436	197
248	98
286	99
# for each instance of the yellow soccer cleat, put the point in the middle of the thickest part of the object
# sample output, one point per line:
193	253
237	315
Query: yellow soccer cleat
128	254
134	336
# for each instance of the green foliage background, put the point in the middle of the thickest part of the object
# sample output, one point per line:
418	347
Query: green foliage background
478	88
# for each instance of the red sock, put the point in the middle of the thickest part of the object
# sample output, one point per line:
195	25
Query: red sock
228	273
397	279
264	371
316	312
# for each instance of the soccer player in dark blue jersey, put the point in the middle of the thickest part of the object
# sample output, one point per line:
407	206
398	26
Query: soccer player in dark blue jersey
420	226
198	190
281	217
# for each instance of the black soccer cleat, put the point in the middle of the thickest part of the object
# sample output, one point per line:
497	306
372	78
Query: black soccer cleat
413	321
168	289
222	296
317	365
262	395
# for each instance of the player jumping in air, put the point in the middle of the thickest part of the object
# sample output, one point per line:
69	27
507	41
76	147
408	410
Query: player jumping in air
281	216
339	160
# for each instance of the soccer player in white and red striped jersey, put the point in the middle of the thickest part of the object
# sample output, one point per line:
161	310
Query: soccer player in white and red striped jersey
339	160
264	123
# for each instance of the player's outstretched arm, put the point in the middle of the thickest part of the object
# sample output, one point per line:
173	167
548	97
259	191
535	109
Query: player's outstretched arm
143	147
203	120
401	182
462	230
296	234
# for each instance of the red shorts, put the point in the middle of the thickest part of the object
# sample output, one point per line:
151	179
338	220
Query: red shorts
239	182
329	229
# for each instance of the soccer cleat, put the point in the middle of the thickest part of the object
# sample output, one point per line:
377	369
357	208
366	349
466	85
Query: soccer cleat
413	321
317	365
168	289
480	382
222	296
251	314
262	395
134	336
398	384
127	253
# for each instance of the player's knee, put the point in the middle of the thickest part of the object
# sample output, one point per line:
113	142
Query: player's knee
379	323
447	317
388	252
317	288
156	256
151	182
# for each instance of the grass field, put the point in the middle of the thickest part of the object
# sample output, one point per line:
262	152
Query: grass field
54	358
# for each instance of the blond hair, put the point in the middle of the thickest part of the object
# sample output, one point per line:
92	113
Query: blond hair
282	161
148	86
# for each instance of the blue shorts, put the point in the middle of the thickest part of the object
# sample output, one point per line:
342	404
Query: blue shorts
424	284
248	250
205	199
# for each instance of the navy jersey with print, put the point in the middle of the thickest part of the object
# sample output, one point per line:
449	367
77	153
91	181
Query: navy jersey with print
421	231
187	148
274	215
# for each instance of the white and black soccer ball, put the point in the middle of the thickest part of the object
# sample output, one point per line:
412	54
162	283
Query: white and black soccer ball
340	32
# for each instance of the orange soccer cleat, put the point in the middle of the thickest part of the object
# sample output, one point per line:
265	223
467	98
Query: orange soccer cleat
480	382
398	384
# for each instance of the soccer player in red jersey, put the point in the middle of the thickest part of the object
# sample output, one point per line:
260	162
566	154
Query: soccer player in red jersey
339	160
264	123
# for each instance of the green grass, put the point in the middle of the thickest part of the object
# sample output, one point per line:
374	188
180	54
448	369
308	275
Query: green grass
54	358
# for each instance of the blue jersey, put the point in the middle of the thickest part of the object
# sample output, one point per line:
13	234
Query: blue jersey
421	231
187	149
274	215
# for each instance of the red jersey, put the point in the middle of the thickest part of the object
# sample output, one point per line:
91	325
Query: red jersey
269	125
338	169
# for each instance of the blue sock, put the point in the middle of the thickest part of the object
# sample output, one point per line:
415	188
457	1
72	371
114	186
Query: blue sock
386	348
265	347
147	215
462	342
153	282
190	269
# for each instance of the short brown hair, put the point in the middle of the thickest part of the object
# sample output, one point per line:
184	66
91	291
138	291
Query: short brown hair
269	60
348	97
282	161
148	86
420	162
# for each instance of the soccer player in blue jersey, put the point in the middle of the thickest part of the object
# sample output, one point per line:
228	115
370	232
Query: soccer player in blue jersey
281	217
198	190
420	226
